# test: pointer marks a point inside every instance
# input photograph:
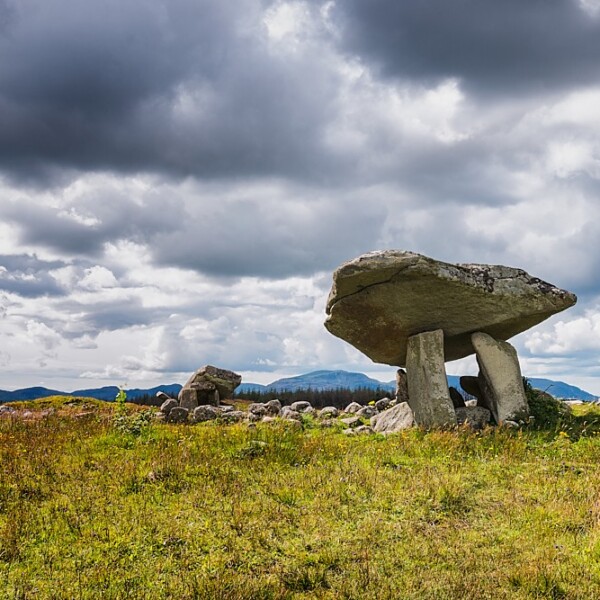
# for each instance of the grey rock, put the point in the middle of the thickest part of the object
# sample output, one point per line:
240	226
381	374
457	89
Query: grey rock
160	417
401	386
472	402
224	381
379	300
500	379
273	407
329	412
327	423
301	406
168	405
206	412
254	418
162	396
178	414
352	408
428	394
188	398
366	411
362	429
471	385
233	416
258	409
4	408
351	421
394	419
383	404
510	424
288	413
457	400
224	408
269	419
349	432
477	417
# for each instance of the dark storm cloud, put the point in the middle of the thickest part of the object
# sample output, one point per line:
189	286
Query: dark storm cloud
113	217
184	87
27	276
271	238
497	47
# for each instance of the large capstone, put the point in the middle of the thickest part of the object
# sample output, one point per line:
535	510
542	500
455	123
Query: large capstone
381	299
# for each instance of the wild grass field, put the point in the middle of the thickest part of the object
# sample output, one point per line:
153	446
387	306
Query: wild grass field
93	511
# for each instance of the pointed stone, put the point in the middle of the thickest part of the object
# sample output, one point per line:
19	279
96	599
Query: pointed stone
428	394
500	379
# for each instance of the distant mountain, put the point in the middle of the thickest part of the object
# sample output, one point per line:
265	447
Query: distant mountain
320	380
316	380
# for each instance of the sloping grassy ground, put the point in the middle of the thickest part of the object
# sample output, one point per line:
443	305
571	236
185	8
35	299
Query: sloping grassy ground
213	511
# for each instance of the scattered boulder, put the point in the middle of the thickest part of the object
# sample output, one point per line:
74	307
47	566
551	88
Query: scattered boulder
471	385
361	429
168	405
301	406
401	386
329	412
457	400
477	417
273	407
352	408
258	409
366	411
394	419
383	404
379	300
178	414
205	412
351	421
233	416
162	396
288	413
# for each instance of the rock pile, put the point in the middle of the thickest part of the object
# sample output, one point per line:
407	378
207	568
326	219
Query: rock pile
408	310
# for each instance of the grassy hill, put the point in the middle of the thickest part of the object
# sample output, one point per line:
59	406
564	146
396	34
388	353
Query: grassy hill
88	510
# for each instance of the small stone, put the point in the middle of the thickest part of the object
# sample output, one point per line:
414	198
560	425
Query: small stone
168	405
477	417
273	407
327	423
288	413
258	409
329	412
253	417
366	411
178	414
349	432
352	408
301	406
471	385
394	419
401	386
364	429
383	404
206	412
268	419
510	424
225	408
233	416
457	400
351	421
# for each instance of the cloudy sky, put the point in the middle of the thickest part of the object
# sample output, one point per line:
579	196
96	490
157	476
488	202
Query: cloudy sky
179	179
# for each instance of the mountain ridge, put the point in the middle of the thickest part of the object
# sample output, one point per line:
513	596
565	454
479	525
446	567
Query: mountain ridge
315	380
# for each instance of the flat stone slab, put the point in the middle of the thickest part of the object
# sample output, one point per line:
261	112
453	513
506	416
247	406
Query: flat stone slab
380	299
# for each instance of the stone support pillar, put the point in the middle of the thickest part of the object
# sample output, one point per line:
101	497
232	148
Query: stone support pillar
428	394
500	379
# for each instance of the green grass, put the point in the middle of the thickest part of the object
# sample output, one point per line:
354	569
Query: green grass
214	511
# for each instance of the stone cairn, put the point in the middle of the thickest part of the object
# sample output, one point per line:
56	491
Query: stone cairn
407	310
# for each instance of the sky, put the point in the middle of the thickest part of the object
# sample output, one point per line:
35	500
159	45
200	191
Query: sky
179	179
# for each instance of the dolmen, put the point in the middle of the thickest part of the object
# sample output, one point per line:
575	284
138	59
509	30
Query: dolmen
411	311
